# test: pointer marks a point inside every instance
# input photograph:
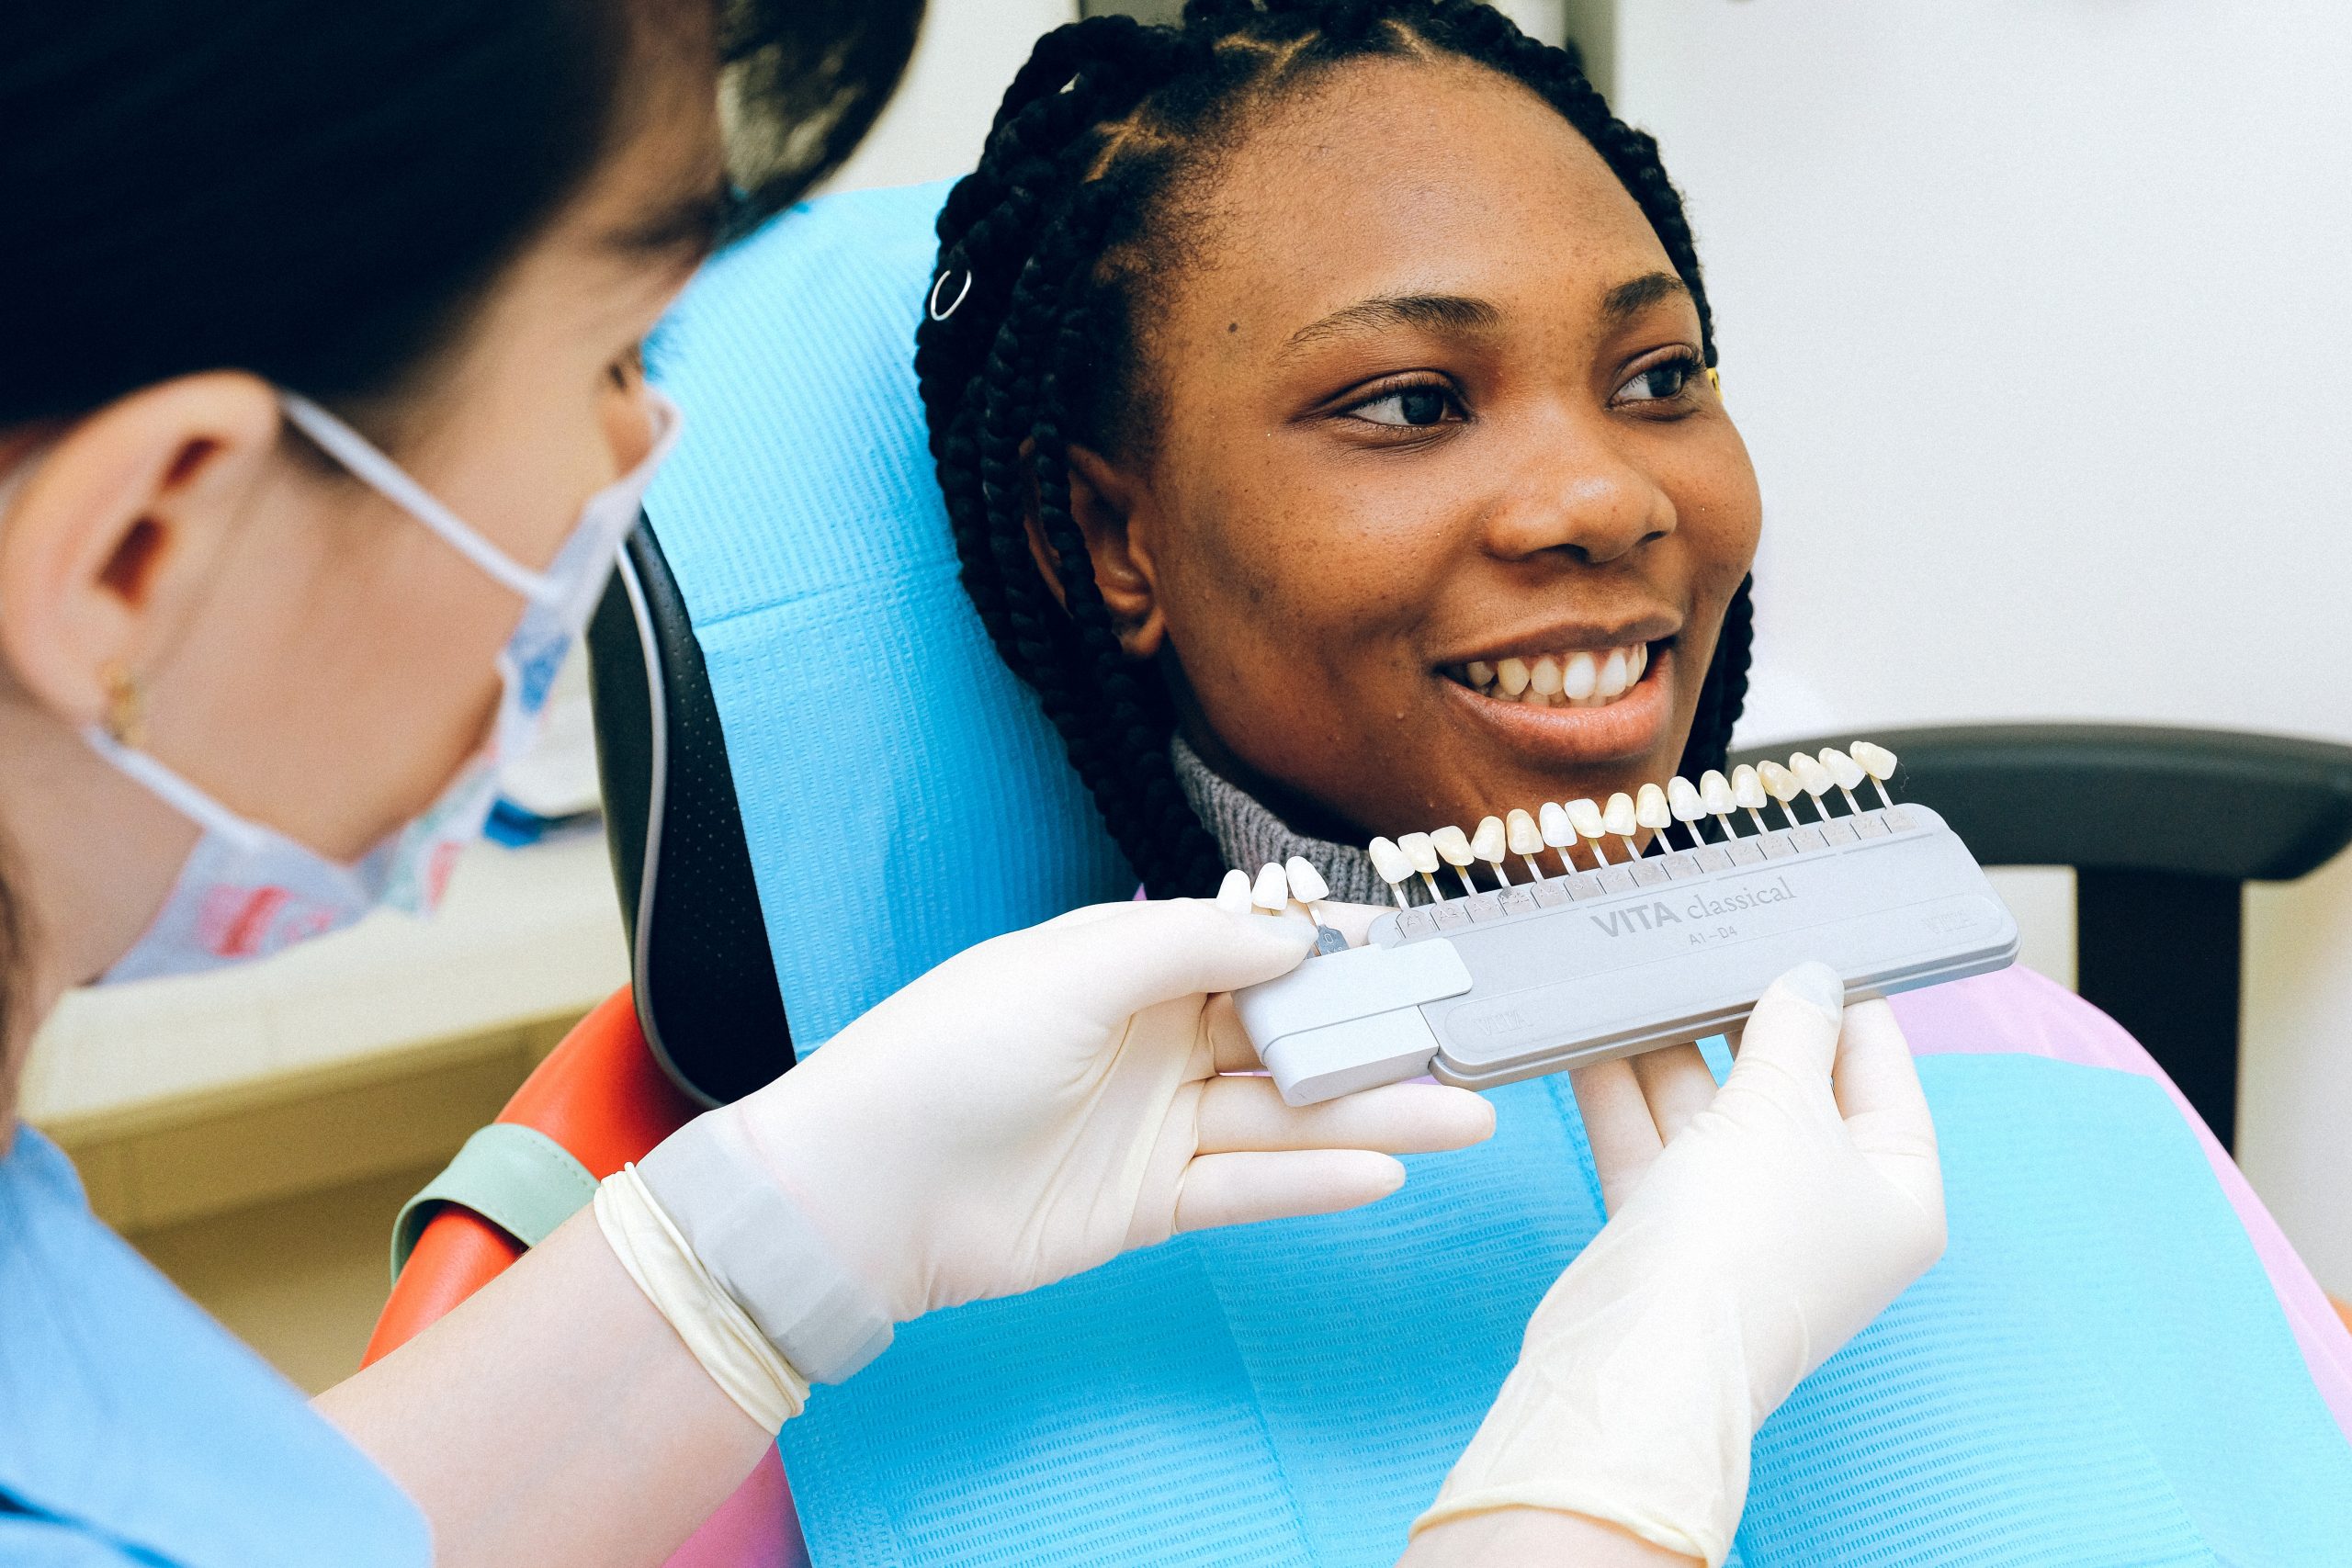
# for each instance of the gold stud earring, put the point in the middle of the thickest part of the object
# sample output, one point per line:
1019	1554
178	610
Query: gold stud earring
1716	380
126	717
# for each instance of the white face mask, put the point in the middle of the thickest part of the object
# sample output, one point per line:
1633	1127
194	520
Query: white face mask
246	890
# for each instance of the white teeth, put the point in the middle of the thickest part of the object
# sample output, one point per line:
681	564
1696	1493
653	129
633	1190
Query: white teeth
1273	889
1714	792
1650	809
1582	674
1843	770
1525	837
1394	868
1682	798
1810	775
1306	883
1618	815
1420	852
1585	817
1233	892
1558	832
1451	843
1879	762
1748	788
1613	679
1582	678
1489	841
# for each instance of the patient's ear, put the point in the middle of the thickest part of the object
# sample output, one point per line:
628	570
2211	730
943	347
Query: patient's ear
1104	502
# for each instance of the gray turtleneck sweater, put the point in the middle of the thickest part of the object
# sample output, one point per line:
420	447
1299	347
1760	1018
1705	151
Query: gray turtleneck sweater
1250	835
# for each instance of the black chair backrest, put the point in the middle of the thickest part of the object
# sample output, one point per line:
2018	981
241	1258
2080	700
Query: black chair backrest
2163	827
705	978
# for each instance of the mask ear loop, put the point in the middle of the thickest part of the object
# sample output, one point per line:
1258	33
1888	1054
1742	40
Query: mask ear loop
380	473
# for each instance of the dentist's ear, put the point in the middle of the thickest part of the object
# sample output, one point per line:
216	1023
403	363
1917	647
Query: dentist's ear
107	548
1112	514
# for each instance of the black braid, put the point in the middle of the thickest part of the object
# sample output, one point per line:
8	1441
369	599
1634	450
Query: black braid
1052	238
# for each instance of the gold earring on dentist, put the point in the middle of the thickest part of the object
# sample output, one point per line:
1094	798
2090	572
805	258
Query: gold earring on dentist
126	716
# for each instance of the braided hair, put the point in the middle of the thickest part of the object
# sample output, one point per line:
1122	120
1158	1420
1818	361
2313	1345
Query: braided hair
1047	251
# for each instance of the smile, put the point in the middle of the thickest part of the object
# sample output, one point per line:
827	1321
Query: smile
1582	678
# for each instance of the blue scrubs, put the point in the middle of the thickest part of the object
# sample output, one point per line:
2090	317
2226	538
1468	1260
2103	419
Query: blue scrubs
134	1429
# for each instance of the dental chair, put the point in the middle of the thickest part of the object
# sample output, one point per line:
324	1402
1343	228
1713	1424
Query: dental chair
866	664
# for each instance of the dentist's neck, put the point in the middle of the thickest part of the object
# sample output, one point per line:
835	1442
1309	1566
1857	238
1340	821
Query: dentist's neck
86	858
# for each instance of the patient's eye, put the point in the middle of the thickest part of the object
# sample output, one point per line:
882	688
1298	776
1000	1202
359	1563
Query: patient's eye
1661	381
1417	407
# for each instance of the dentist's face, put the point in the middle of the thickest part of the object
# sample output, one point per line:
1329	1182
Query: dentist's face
1428	420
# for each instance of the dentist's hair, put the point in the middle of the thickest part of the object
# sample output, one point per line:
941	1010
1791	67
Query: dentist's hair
318	190
1052	246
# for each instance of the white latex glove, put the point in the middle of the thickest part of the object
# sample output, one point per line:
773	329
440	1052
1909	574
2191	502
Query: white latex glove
1031	1108
1754	1229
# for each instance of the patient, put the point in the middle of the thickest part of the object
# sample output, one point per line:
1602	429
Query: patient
1322	400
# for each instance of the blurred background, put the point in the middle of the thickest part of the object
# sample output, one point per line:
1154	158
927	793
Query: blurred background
2030	312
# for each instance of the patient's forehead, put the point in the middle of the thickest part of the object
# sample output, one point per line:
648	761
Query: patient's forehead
1394	177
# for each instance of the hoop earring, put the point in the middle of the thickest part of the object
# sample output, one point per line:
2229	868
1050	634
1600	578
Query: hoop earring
126	714
936	313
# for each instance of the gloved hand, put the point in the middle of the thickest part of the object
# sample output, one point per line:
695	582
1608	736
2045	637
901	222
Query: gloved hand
1031	1108
1753	1230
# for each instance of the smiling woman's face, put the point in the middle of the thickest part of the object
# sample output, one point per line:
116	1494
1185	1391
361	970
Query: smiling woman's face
1425	396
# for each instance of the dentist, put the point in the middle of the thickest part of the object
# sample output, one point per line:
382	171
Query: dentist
321	418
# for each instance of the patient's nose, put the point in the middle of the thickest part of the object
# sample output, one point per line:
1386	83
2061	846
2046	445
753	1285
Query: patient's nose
1582	498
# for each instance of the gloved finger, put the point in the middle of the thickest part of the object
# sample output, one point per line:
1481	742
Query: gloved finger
1237	1113
1617	1125
1229	1044
1789	1041
1120	959
1238	1188
1886	1111
1678	1085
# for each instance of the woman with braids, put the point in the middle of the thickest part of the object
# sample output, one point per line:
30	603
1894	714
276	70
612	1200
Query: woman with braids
257	669
1323	397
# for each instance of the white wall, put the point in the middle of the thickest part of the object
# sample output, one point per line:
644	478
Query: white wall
964	60
2034	314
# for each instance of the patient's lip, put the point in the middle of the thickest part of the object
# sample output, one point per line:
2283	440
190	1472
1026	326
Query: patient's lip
1565	636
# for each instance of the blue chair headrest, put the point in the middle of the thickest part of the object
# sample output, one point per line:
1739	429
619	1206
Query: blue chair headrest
901	793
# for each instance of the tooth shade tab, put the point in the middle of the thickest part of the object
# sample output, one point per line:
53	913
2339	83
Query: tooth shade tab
1879	762
1389	860
1814	778
1452	844
1306	883
1714	792
1558	832
1523	835
1650	809
1780	784
1420	852
1273	889
1512	676
1587	818
1233	892
1618	816
1747	789
1843	770
1489	841
1682	799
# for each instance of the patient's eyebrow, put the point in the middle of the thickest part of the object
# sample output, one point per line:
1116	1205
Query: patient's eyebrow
1429	312
1637	294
